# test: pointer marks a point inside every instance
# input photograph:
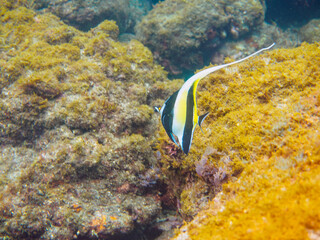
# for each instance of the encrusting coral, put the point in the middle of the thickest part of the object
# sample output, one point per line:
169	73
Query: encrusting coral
259	154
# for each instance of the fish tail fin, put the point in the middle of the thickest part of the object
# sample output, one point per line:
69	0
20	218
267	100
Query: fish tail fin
201	119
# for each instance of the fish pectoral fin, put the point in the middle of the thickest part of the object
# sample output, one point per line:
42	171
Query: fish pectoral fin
201	119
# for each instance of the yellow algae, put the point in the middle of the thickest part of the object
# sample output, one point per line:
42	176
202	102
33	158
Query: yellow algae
266	203
81	103
107	27
43	84
265	117
263	126
45	57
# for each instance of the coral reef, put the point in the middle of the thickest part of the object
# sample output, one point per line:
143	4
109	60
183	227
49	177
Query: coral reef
180	32
76	129
215	29
259	154
80	157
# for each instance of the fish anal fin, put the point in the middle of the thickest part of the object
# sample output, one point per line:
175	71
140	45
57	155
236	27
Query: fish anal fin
201	119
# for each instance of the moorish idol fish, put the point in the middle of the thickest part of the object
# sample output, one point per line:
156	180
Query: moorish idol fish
179	112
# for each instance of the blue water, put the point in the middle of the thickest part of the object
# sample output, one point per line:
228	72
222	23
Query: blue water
288	13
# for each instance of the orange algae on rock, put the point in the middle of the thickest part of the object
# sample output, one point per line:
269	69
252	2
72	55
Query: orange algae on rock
265	113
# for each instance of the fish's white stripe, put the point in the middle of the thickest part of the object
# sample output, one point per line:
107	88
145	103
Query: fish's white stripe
180	114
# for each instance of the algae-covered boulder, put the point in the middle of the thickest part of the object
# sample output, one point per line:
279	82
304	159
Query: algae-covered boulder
180	33
311	31
261	37
88	14
258	159
76	130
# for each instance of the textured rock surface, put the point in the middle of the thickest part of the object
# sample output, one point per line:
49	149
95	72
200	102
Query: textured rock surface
77	135
181	32
76	130
311	31
88	14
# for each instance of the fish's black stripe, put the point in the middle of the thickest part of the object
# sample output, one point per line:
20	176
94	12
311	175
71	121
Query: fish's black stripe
167	114
187	132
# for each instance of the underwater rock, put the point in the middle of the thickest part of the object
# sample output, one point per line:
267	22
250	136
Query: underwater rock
179	33
81	158
88	14
76	129
259	38
311	31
